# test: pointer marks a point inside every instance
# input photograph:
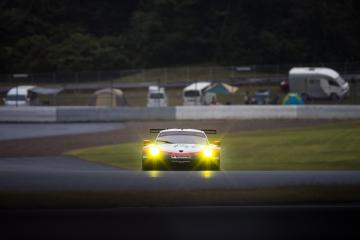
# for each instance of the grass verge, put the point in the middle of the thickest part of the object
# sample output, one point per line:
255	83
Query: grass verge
331	147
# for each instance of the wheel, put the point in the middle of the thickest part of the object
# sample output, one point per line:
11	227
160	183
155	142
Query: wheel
217	166
147	166
334	97
305	96
214	166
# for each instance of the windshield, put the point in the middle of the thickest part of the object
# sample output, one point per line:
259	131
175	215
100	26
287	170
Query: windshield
182	137
340	80
157	95
333	83
14	97
192	93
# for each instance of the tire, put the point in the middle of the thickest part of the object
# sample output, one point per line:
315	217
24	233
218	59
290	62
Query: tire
305	97
334	97
215	166
147	166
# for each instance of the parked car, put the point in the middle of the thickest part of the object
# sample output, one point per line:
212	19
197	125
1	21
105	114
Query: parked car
18	96
196	94
157	97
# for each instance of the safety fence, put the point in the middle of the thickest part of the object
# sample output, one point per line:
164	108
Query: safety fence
79	88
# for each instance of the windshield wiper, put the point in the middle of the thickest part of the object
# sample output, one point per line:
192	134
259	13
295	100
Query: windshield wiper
164	141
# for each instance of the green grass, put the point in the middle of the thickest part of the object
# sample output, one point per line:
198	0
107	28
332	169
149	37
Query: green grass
331	147
193	73
325	148
127	155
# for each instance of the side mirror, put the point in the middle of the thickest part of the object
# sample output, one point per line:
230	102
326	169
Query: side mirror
217	143
146	142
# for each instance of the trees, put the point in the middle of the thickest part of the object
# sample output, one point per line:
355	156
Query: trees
76	35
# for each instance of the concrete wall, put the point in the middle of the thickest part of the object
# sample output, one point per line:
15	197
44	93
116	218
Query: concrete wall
27	114
268	112
235	112
106	114
328	112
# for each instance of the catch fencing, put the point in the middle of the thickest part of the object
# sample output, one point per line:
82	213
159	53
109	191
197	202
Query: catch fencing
79	86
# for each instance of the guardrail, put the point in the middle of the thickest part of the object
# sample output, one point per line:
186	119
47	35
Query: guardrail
109	114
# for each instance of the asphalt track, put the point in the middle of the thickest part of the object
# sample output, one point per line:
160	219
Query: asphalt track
9	131
42	174
233	222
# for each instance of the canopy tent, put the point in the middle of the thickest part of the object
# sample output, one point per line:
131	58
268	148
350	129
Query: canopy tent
293	99
46	91
111	97
44	95
222	88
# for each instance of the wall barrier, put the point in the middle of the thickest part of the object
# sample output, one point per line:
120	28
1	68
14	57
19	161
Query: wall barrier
27	114
328	112
235	112
108	114
268	112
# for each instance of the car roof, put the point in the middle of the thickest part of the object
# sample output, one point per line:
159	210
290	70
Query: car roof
156	89
317	70
20	90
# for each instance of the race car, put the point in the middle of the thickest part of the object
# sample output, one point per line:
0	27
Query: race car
181	149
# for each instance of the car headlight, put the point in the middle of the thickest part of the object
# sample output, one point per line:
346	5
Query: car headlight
207	152
154	151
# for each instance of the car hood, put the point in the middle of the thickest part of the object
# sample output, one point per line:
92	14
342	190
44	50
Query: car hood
185	148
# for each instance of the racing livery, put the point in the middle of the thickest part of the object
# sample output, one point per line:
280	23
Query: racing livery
177	148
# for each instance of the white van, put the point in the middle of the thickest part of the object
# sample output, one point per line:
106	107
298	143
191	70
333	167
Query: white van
195	94
317	83
18	96
157	97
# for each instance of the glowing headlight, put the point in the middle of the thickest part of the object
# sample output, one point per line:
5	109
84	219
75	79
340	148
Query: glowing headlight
208	152
154	151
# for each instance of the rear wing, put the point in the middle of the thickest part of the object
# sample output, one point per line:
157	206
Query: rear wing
207	131
156	130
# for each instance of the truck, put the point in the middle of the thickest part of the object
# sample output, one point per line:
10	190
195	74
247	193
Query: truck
157	97
18	96
317	83
196	94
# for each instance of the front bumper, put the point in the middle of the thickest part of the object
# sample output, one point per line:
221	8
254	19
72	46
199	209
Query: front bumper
186	163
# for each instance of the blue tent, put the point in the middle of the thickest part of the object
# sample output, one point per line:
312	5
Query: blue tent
293	99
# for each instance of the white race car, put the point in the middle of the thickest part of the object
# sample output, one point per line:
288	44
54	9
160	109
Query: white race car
181	148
